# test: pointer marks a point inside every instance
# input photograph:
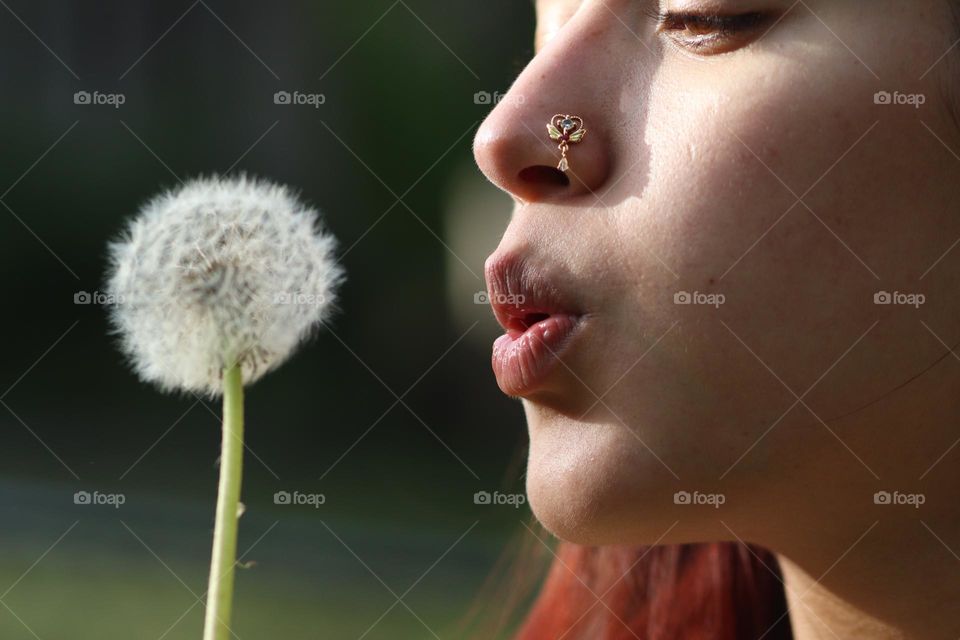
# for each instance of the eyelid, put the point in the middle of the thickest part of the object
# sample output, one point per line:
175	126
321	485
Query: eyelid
726	27
717	20
743	19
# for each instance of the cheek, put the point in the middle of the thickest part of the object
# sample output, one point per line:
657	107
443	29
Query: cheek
729	159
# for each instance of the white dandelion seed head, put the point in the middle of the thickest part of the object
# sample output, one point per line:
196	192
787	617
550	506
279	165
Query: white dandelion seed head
217	272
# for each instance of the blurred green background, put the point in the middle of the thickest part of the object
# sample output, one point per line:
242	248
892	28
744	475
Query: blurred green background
394	416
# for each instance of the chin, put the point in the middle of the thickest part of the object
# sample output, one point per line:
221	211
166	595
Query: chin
588	484
569	520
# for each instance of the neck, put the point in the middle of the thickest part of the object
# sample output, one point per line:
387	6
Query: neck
817	613
856	565
885	571
878	591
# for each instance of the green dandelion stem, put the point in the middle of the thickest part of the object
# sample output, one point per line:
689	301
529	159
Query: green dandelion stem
224	558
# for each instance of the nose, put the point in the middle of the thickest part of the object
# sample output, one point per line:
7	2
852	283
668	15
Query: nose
513	147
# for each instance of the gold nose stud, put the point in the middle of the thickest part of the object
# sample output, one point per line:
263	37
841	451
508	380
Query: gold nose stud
567	130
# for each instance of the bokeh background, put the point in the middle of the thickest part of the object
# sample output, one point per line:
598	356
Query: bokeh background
393	415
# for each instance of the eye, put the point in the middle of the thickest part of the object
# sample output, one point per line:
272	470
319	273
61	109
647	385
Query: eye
712	33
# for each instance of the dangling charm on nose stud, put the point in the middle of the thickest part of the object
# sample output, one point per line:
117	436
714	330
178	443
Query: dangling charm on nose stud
568	130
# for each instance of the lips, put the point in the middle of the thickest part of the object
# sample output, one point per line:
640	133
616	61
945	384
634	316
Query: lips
538	320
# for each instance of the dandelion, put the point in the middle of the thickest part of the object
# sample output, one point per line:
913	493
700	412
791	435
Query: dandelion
217	273
217	283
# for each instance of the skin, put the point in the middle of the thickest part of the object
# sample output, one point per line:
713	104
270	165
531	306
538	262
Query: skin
688	180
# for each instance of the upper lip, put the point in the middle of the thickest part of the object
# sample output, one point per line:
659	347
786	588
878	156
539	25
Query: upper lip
522	294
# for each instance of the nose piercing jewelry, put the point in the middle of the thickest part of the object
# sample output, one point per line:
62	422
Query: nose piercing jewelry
568	130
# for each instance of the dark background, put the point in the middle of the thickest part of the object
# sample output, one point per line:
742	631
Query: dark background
387	159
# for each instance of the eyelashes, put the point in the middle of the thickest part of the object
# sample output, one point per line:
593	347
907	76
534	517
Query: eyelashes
710	33
709	21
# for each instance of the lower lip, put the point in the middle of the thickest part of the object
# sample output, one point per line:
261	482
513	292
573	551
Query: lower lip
522	361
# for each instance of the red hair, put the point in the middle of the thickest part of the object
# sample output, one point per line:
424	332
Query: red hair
716	591
721	591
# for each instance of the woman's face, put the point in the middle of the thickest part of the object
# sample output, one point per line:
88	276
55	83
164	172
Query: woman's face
754	175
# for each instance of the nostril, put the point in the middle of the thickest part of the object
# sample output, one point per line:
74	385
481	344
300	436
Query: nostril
544	176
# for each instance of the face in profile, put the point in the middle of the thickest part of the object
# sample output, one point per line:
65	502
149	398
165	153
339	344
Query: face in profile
744	284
